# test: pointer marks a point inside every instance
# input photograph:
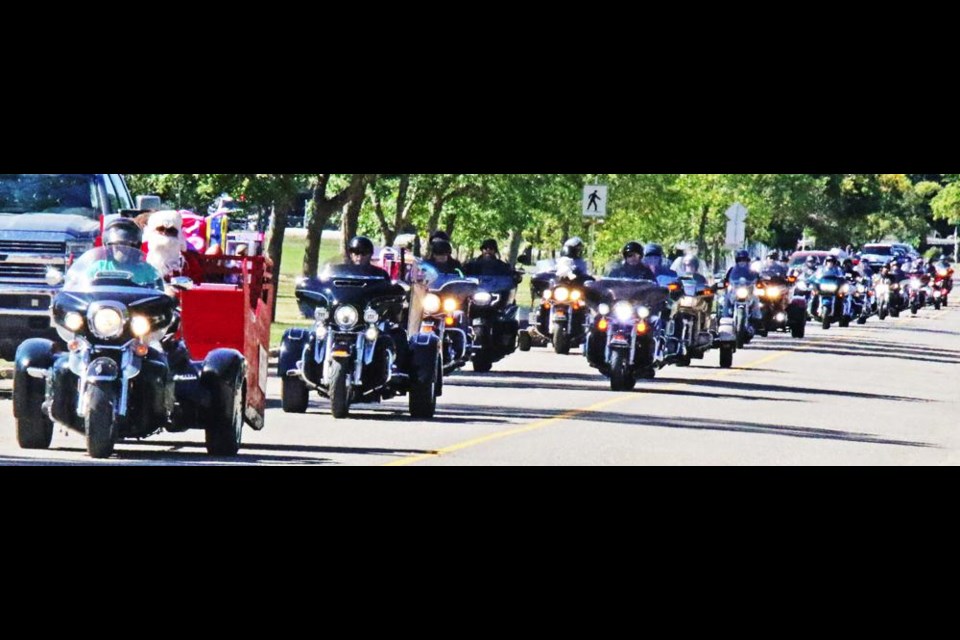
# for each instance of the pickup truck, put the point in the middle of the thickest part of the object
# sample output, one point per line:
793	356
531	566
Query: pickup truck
46	221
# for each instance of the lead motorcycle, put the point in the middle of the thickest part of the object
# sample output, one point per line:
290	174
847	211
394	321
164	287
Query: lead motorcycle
626	339
493	318
697	328
358	349
123	374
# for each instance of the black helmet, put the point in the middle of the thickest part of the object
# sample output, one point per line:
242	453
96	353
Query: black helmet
773	255
653	250
691	264
742	255
440	248
829	259
361	245
572	248
439	234
123	231
632	247
489	243
847	262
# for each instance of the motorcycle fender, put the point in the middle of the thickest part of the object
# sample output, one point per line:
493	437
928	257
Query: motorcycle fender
424	348
292	350
725	331
103	370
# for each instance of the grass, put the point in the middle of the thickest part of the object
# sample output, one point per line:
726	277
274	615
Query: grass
288	314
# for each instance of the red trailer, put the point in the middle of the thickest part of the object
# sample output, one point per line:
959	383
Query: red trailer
231	306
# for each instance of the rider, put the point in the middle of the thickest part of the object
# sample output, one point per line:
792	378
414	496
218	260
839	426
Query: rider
122	240
741	271
632	267
573	249
489	262
773	267
360	250
653	259
691	269
831	267
441	258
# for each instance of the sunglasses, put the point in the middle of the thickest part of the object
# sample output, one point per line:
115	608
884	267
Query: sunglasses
168	231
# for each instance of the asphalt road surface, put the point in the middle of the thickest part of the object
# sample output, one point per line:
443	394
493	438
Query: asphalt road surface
887	393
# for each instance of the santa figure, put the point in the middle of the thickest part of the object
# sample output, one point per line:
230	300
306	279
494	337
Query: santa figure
165	243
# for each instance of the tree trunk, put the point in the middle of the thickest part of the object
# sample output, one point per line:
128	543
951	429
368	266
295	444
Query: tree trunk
702	234
355	195
451	224
322	210
435	211
514	242
275	234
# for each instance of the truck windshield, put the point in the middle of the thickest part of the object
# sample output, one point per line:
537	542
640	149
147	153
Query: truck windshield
29	193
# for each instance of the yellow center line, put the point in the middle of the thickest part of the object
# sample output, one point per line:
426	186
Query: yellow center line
540	424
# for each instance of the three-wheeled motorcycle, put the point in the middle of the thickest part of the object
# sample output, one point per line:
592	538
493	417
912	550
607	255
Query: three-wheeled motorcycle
127	372
358	349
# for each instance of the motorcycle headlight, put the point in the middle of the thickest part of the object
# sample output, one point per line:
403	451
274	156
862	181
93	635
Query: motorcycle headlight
107	322
371	334
450	305
370	316
688	301
346	316
801	286
861	288
140	326
431	303
603	308
915	283
774	293
482	298
845	289
547	294
643	312
828	288
321	314
561	294
743	293
73	321
623	311
576	294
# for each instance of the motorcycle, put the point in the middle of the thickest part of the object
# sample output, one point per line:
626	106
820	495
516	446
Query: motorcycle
493	318
697	328
446	314
625	340
942	283
561	313
124	373
358	349
776	304
917	288
861	298
834	302
741	298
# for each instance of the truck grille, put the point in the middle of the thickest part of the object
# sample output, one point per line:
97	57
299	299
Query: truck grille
12	272
20	246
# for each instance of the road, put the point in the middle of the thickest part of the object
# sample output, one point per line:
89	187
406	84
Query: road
887	393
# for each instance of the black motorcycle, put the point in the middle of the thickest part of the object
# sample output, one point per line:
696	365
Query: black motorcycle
123	375
358	350
697	327
446	315
626	340
493	318
561	309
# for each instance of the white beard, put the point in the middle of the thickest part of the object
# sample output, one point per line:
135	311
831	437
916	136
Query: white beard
163	252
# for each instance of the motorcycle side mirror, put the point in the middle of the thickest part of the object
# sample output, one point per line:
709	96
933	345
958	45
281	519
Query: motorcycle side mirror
518	276
181	282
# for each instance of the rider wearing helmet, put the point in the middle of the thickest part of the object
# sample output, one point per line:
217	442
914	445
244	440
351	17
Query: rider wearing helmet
360	250
573	249
123	240
632	267
653	259
441	257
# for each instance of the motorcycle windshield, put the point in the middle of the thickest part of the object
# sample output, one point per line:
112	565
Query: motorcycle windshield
454	284
612	290
497	284
348	284
116	269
